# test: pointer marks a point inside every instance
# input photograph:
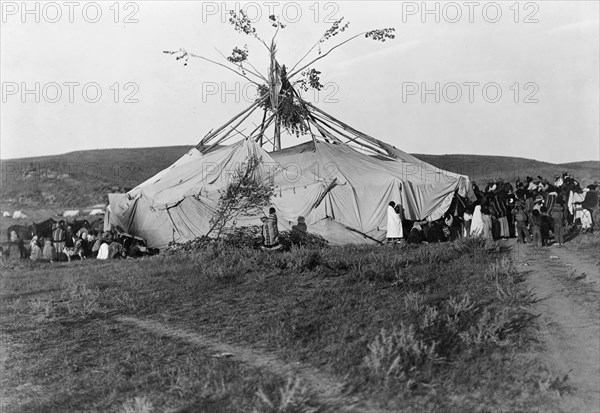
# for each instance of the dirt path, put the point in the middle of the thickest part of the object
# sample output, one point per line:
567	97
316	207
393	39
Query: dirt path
570	328
569	256
326	388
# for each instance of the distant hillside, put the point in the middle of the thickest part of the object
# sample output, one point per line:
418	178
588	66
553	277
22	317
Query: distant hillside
583	164
480	168
83	178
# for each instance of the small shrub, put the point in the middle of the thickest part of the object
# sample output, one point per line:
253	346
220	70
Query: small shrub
414	302
309	241
124	300
469	245
456	306
81	300
138	405
45	308
398	355
503	268
429	318
294	396
302	259
489	329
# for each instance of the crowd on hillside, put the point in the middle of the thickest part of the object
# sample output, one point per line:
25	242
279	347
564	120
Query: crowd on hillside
529	210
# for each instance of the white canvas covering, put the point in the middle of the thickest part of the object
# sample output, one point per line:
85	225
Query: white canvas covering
342	193
6	214
71	213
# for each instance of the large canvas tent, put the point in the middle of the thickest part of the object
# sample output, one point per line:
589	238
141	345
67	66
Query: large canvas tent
340	181
342	193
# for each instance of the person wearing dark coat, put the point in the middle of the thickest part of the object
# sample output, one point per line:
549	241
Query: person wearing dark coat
415	236
298	233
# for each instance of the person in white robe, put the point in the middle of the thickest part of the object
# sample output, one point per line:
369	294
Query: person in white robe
477	222
103	251
394	224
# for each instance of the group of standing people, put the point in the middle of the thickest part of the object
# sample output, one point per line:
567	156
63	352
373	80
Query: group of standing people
530	211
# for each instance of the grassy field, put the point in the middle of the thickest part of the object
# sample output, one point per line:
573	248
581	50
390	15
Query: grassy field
444	327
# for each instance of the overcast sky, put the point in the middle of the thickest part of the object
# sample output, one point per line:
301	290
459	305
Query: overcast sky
513	80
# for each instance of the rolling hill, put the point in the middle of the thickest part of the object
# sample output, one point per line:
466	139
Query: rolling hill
83	178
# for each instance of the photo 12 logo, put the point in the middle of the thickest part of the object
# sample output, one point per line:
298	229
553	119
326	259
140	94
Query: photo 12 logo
469	11
71	92
471	92
69	12
248	92
15	171
288	12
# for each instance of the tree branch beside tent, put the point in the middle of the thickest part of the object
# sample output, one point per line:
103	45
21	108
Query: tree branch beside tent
246	195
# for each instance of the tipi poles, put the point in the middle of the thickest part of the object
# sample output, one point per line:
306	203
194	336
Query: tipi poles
262	128
248	113
350	138
346	127
250	109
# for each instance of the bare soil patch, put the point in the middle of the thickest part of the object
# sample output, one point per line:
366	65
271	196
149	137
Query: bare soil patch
569	324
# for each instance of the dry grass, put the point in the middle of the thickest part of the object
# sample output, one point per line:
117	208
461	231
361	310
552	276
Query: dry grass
440	326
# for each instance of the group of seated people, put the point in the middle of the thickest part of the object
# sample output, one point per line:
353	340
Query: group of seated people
65	244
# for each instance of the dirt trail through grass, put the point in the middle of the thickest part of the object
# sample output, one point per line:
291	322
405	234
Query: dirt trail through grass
569	324
579	264
328	390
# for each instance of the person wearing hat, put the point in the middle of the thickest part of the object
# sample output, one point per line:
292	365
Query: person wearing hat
558	181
